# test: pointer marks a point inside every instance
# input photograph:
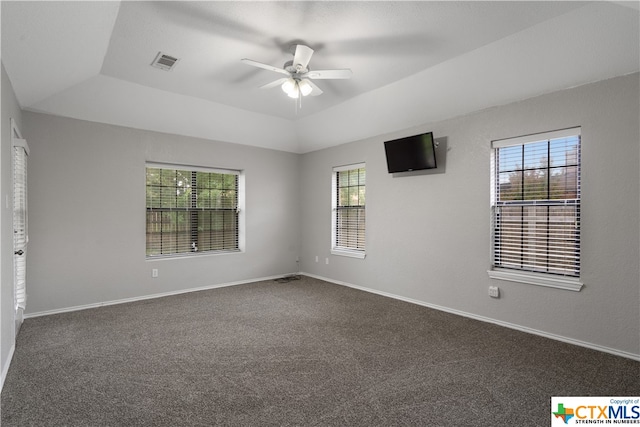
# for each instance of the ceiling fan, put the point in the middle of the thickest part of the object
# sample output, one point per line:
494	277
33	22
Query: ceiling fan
298	81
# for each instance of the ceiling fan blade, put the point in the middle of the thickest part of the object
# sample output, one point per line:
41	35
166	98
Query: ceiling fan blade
302	56
274	83
329	74
315	90
265	66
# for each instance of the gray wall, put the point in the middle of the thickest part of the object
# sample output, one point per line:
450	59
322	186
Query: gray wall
428	236
87	213
10	109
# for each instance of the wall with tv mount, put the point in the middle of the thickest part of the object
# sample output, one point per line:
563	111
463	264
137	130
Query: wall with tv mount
428	238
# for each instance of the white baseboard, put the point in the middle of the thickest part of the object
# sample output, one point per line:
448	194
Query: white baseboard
146	297
7	363
592	346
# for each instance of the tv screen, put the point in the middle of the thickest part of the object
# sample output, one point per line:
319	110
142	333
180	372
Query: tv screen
411	153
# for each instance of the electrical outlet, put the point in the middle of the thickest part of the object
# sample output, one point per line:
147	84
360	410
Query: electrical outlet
494	292
326	261
154	272
316	258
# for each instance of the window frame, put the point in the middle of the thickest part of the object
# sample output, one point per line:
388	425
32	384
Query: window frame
547	279
335	248
239	209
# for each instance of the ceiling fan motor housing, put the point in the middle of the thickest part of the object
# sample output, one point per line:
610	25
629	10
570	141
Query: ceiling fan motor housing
295	69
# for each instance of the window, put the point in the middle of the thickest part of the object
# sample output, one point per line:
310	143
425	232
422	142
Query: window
348	211
535	206
192	210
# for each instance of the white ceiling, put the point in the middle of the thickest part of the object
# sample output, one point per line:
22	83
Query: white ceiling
412	62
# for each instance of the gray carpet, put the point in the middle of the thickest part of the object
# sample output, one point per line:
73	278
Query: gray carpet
304	353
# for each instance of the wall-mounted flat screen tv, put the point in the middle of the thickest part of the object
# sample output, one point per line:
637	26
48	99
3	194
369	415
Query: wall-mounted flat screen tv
411	153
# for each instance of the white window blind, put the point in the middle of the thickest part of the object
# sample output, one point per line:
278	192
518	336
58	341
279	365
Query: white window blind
191	210
20	232
535	203
348	219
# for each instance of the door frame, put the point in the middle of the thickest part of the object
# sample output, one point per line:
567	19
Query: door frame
17	141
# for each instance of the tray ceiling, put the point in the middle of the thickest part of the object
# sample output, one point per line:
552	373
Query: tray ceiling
92	61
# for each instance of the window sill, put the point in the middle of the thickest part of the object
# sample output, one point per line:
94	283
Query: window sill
559	282
192	254
348	253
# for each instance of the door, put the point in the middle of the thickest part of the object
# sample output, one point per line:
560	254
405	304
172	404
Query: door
20	229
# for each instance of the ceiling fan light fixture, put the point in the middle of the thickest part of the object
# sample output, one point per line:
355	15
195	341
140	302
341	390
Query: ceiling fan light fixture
305	87
289	86
295	92
294	87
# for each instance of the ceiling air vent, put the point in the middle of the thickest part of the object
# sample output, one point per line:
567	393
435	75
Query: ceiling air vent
164	62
